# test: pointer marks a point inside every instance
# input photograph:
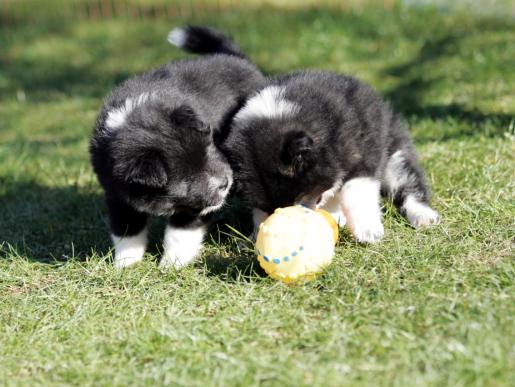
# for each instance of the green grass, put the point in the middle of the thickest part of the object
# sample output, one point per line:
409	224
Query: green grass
429	307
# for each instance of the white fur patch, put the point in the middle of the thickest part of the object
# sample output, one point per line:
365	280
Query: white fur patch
361	208
129	249
117	117
395	175
181	246
332	202
419	214
178	37
268	103
210	209
329	194
214	185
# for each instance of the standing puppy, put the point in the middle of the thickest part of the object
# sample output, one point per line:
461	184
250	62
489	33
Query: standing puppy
329	141
153	149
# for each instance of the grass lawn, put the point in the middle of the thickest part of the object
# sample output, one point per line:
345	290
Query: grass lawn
429	307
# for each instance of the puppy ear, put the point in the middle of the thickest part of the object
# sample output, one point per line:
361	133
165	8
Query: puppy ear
297	152
185	117
146	168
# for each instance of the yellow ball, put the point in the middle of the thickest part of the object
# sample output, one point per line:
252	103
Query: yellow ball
296	243
330	220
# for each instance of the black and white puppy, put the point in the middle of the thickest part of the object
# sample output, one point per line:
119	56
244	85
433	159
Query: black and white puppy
329	141
153	147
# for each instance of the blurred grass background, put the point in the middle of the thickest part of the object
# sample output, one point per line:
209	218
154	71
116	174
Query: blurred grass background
429	307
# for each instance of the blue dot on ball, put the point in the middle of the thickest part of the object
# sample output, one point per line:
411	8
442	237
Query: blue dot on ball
294	254
277	260
301	248
266	258
286	259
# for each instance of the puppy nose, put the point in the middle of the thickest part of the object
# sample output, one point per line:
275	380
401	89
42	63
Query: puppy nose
224	183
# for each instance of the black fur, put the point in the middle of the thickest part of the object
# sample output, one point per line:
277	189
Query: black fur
161	160
204	40
342	130
334	129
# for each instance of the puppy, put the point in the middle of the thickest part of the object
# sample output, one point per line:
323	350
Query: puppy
153	148
326	140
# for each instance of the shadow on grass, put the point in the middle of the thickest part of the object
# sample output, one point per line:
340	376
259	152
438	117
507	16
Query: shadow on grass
406	97
89	68
235	268
42	78
230	228
457	122
53	225
93	76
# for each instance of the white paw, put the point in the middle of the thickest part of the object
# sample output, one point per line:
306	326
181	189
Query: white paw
361	207
332	202
129	250
121	263
181	246
420	214
367	231
175	261
427	218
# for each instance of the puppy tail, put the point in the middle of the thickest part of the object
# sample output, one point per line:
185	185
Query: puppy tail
203	40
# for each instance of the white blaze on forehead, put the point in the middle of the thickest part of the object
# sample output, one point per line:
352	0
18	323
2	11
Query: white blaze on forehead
116	117
268	103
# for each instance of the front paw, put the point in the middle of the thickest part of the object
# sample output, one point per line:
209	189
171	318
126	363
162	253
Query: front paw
181	246
175	261
129	250
123	262
179	255
368	231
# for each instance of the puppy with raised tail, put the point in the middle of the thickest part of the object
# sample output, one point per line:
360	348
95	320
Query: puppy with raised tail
153	148
326	140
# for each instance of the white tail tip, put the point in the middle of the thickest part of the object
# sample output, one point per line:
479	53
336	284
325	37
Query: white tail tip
178	37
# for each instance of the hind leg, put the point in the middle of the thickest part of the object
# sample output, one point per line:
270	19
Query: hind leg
404	182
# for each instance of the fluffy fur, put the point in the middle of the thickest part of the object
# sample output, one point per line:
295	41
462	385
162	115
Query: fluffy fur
334	139
153	148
